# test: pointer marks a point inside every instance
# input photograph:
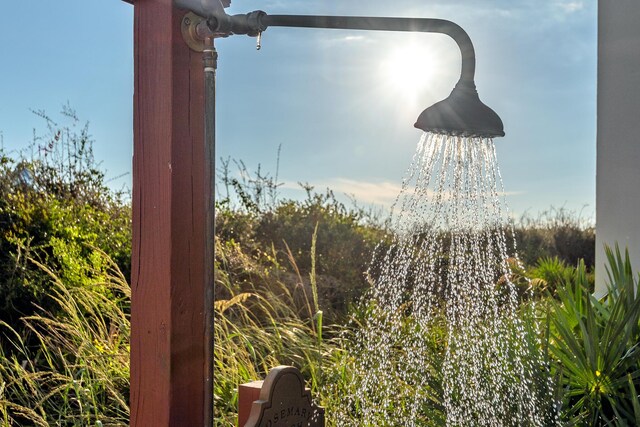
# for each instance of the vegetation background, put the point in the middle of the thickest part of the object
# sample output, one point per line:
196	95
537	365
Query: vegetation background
290	280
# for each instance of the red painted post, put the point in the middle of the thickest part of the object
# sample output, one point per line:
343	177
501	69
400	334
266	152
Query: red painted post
172	263
247	394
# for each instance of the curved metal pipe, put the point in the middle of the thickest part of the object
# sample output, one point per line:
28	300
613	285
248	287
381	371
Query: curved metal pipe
257	21
462	113
425	25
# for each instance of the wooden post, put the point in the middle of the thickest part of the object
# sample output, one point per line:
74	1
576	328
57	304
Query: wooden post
172	261
247	394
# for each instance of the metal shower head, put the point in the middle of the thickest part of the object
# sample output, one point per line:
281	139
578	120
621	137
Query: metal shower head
461	113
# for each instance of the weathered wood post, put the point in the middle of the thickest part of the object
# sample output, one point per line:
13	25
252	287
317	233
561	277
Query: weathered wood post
172	260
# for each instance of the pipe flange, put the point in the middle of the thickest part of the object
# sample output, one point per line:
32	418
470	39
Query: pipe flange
189	28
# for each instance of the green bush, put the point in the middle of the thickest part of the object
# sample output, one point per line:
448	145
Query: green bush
344	245
595	345
55	207
557	233
550	274
274	230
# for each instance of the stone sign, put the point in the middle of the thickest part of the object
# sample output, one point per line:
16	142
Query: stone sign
285	402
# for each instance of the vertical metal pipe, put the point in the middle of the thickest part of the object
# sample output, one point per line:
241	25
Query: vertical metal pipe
210	60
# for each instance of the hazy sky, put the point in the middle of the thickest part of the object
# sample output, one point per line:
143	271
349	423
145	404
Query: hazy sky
340	103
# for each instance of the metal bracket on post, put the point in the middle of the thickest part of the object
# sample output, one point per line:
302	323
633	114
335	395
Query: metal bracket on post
189	29
196	29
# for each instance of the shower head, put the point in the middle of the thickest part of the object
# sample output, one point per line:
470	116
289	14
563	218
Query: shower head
462	114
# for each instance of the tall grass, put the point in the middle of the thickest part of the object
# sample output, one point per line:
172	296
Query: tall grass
72	367
268	321
288	276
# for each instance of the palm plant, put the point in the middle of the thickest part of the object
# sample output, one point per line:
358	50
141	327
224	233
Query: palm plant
595	344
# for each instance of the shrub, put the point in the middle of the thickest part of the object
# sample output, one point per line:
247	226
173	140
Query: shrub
344	245
55	207
556	233
596	347
276	230
551	274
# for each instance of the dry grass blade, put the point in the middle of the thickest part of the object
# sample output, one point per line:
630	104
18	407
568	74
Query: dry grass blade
223	305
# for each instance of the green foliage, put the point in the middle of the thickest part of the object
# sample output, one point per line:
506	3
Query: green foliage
550	274
556	233
275	231
260	324
343	245
596	347
77	373
288	274
55	207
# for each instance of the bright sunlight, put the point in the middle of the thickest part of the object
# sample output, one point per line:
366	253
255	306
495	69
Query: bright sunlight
409	70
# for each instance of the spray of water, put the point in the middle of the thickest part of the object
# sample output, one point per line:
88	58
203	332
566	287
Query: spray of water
441	336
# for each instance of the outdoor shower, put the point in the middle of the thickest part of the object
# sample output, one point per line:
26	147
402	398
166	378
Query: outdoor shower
457	146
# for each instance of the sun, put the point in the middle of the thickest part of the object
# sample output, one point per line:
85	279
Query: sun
409	70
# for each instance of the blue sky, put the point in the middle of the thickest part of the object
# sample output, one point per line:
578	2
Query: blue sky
340	103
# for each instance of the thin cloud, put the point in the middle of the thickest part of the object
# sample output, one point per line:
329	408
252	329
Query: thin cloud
331	41
377	193
382	193
353	38
572	6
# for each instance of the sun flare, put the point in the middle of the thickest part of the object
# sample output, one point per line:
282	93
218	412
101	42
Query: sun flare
409	70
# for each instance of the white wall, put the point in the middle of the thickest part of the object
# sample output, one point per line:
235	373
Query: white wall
618	158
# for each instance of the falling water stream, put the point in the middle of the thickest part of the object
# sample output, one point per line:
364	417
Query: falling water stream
440	328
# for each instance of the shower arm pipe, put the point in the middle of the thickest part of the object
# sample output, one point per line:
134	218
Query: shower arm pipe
255	22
